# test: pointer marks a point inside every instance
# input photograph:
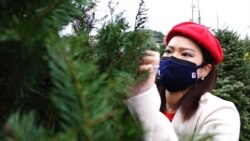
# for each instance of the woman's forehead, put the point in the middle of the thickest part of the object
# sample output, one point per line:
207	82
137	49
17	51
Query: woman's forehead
183	43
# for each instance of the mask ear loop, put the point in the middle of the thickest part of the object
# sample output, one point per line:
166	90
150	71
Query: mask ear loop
201	66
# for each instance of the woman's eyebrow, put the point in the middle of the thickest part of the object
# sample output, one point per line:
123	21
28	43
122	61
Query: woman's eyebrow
169	46
181	48
186	48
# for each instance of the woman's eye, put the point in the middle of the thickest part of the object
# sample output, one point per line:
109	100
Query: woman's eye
187	55
167	51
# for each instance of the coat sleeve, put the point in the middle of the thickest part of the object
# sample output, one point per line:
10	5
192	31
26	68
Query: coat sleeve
156	126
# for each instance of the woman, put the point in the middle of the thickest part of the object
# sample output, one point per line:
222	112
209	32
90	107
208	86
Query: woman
185	108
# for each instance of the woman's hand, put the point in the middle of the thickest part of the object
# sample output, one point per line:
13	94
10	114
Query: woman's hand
150	62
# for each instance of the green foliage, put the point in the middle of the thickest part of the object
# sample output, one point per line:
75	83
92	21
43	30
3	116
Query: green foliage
158	36
116	48
17	122
233	77
85	21
87	100
25	31
67	88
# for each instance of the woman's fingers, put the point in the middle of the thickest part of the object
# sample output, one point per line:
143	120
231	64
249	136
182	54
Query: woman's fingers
145	67
152	53
150	60
148	67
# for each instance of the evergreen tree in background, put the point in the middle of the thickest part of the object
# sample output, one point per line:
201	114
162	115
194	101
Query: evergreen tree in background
233	78
67	88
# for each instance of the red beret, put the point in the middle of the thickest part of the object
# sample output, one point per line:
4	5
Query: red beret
201	35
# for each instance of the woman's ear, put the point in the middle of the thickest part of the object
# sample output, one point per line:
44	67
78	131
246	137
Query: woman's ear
204	71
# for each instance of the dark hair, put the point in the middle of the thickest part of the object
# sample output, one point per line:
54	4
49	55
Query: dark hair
190	101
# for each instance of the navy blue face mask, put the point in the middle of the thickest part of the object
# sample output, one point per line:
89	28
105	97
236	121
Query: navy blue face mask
177	74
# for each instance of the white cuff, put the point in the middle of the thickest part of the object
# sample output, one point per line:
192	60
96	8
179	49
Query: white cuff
147	107
145	103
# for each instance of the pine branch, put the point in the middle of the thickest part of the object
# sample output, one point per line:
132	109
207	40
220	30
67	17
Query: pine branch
47	11
74	96
87	20
141	16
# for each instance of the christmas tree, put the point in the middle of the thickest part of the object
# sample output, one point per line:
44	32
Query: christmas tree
233	77
68	87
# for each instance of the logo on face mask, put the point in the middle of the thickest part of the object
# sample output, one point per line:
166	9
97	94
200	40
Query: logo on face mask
194	75
177	74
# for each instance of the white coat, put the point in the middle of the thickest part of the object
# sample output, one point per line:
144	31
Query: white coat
215	116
